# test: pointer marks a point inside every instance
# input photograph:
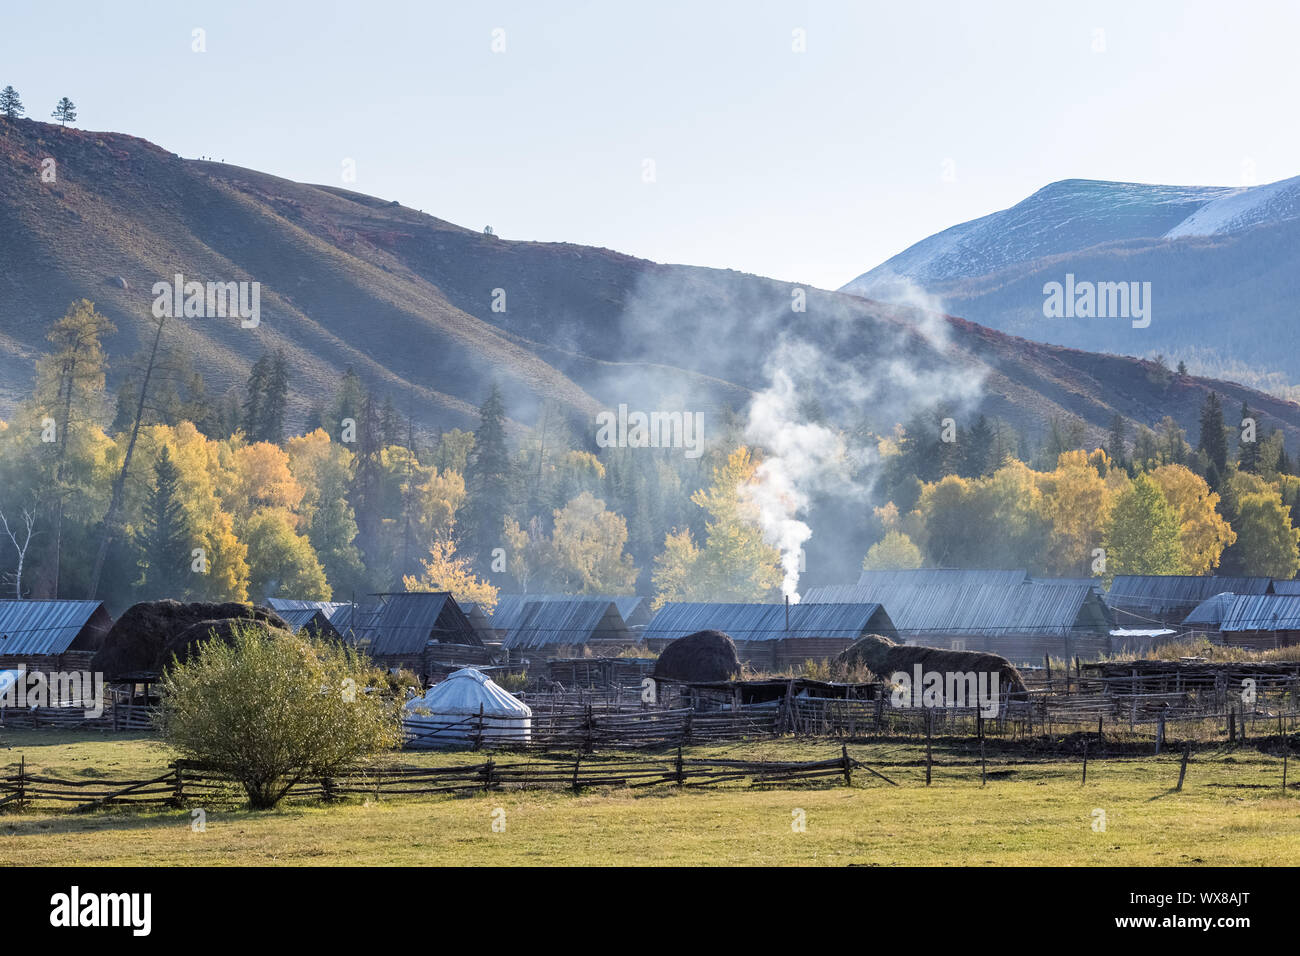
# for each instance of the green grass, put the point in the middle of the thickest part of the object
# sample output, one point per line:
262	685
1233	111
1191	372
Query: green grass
1033	812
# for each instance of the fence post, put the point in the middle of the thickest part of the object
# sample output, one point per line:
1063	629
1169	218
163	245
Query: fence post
478	731
22	783
1160	732
577	762
1085	764
928	760
1182	771
178	793
848	765
487	774
681	767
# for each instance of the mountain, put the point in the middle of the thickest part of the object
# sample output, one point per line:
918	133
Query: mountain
1221	263
414	305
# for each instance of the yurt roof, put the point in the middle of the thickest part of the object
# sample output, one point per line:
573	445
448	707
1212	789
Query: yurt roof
465	691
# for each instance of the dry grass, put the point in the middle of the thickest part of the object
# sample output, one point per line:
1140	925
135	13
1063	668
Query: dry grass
1230	812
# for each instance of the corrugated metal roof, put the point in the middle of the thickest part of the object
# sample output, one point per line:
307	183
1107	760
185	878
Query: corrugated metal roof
406	622
1095	583
328	608
987	609
1263	612
1160	592
573	621
48	627
1286	586
767	622
942	577
1211	611
510	607
314	618
356	622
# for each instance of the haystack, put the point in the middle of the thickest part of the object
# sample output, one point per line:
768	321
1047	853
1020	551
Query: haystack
702	656
883	657
144	638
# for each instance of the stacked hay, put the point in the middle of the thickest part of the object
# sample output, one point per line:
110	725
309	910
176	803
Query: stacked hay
883	657
147	635
702	656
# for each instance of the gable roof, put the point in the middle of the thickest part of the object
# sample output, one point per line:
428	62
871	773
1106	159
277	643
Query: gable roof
942	577
407	621
1262	612
767	622
1212	610
982	609
281	605
52	627
1157	593
572	621
633	608
314	619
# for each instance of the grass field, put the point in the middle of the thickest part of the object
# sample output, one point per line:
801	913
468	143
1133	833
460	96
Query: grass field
1231	812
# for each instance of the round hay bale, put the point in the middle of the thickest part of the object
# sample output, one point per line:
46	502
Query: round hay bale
702	656
223	629
883	657
139	640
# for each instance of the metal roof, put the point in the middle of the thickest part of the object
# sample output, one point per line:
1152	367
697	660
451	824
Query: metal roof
407	621
50	627
281	605
309	617
981	609
510	607
1263	612
1162	592
767	622
1281	586
355	622
578	620
1211	611
943	577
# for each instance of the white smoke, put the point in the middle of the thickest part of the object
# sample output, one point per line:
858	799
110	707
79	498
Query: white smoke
804	458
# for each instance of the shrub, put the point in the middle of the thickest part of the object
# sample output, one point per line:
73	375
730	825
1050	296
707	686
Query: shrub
272	708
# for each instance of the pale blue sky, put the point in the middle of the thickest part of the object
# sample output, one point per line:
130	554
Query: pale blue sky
808	167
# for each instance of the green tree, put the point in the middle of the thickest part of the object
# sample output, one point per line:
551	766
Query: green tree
281	563
894	552
164	538
1116	441
1213	440
489	480
272	709
10	105
70	393
1267	543
1142	536
65	112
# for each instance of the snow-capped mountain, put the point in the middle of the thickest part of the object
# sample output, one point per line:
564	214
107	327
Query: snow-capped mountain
1221	262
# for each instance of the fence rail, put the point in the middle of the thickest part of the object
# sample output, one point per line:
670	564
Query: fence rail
187	784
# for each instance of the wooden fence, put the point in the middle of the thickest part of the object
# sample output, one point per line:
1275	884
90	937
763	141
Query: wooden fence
188	784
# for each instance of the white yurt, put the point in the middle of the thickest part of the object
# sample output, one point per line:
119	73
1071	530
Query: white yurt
448	713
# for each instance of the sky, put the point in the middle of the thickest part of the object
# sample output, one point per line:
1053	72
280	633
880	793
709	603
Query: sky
687	132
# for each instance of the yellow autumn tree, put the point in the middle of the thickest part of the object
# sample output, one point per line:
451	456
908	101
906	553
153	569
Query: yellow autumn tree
735	563
1076	503
444	570
1202	532
587	542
